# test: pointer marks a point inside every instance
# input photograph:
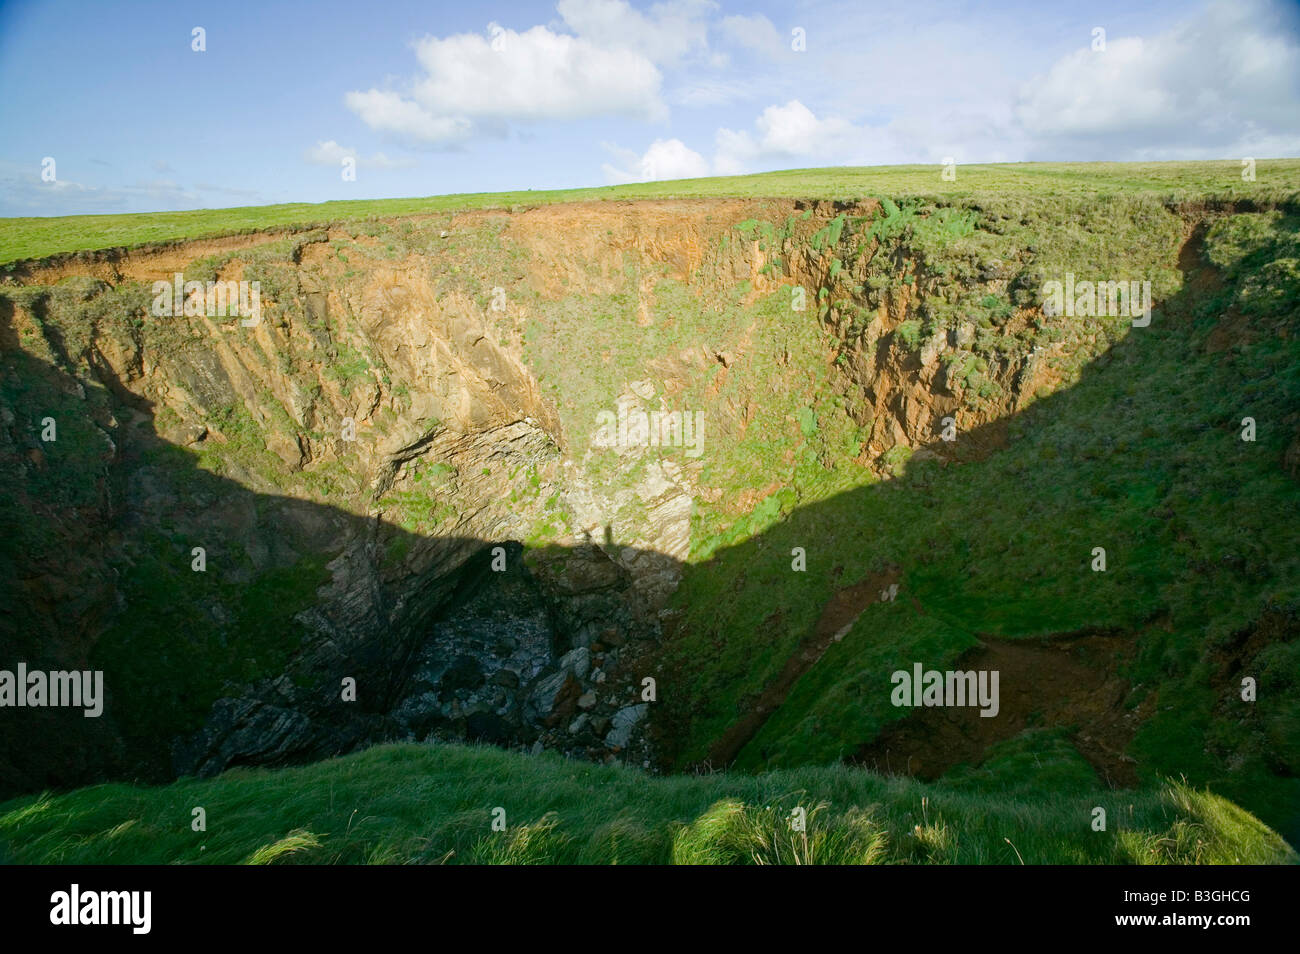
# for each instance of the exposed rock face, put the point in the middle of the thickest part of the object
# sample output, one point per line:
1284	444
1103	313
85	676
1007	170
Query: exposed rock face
496	666
394	477
344	467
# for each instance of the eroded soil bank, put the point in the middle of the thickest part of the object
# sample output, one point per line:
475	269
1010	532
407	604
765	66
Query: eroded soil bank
1072	682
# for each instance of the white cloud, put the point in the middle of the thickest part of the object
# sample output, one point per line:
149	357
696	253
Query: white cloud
754	33
475	85
534	75
388	112
788	131
674	31
780	133
703	91
24	193
330	153
1211	85
665	159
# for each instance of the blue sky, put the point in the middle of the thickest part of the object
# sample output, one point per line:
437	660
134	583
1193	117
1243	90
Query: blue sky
432	97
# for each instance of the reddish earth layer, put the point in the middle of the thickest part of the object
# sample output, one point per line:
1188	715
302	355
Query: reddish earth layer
1072	682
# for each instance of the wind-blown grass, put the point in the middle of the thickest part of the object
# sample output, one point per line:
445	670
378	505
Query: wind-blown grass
434	804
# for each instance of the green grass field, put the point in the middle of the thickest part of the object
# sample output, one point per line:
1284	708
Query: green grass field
35	238
434	804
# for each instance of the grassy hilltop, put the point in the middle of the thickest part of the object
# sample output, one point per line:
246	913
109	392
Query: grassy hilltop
39	237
